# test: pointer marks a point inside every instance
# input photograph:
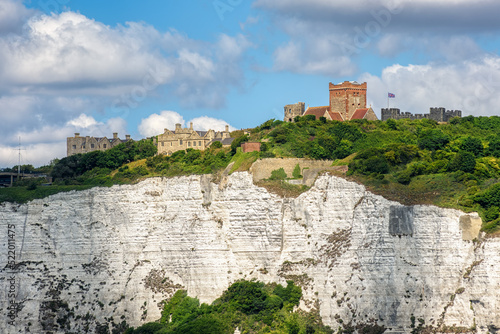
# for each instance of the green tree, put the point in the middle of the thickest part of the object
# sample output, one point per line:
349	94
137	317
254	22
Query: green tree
433	139
296	172
472	145
278	174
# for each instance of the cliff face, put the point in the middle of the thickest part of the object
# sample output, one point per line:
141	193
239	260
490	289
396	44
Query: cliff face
89	260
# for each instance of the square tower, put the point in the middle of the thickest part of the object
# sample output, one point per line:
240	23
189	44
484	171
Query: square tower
347	97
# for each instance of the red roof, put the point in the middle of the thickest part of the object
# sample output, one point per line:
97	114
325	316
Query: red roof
336	116
317	111
359	113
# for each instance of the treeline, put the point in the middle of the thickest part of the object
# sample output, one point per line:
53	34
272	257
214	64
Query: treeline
253	307
461	156
102	162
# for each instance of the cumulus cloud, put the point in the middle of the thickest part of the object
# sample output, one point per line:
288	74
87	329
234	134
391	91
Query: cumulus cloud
157	123
61	70
472	86
12	16
327	37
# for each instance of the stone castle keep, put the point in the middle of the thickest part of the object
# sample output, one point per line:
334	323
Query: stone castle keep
184	138
78	144
347	102
437	114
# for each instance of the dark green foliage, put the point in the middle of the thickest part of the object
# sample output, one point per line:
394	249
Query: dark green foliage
433	139
247	297
252	306
78	164
278	174
290	295
370	161
494	147
237	143
296	172
472	145
216	144
391	124
463	161
489	197
492	213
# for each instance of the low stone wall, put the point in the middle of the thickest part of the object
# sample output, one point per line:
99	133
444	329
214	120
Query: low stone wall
261	169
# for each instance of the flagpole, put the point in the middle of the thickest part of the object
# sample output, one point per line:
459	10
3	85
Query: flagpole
387	100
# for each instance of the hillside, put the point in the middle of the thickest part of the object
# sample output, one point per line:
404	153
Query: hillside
452	165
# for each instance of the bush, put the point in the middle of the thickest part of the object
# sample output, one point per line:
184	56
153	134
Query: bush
278	174
296	172
433	139
463	161
216	144
472	145
489	197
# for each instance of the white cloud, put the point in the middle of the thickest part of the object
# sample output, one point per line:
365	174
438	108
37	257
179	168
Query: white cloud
472	86
58	71
12	16
157	123
326	37
206	123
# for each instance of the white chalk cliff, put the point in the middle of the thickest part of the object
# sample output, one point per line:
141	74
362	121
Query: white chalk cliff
93	259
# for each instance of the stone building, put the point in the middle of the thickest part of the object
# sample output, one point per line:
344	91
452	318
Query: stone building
294	110
184	138
436	114
347	102
78	144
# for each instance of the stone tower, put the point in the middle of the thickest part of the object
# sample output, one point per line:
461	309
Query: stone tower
346	97
294	110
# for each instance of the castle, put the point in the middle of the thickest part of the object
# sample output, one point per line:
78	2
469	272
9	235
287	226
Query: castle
347	102
437	114
78	144
184	138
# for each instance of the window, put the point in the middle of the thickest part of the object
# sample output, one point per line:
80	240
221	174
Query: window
92	145
180	142
104	145
199	143
162	143
189	143
194	143
74	147
171	144
83	146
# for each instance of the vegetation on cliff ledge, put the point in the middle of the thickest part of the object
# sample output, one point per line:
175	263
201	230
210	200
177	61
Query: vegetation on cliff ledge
252	307
414	162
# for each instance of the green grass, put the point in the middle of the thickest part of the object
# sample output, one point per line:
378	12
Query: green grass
23	195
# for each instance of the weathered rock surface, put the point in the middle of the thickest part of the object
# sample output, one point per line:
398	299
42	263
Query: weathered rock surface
93	259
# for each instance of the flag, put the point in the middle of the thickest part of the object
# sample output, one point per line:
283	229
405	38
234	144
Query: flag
391	95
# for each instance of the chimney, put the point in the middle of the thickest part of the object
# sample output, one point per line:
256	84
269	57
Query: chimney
115	135
227	128
127	137
165	130
77	135
178	127
191	126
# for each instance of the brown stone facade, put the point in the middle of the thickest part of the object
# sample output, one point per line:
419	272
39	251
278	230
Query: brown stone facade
184	138
79	144
347	102
347	97
250	147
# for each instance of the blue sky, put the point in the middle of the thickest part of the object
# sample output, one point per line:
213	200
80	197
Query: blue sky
98	67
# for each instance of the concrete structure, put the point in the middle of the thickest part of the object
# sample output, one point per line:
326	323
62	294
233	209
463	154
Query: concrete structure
347	102
250	147
78	144
184	138
437	114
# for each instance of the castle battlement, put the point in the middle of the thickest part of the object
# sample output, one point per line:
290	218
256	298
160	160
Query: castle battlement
439	114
